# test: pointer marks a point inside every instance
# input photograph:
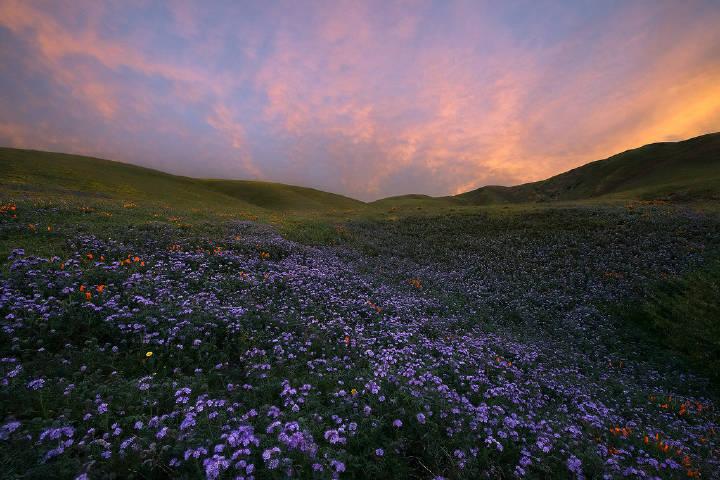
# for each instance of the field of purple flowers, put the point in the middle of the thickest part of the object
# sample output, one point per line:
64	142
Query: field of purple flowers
460	346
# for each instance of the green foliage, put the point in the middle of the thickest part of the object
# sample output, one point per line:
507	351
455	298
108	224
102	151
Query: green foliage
684	314
314	232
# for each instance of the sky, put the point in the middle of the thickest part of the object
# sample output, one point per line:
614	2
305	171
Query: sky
368	99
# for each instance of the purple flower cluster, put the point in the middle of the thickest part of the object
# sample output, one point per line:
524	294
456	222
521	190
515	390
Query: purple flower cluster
325	361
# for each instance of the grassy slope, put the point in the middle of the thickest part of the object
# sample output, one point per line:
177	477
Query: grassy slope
681	313
278	196
43	174
415	200
686	170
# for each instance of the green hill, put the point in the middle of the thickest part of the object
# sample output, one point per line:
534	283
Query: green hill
415	201
278	196
44	174
686	170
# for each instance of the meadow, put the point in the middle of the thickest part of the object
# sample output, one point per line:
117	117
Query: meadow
177	337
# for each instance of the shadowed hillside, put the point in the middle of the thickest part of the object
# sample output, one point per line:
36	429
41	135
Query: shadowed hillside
416	201
278	196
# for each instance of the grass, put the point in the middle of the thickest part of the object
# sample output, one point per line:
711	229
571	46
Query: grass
683	315
278	196
44	174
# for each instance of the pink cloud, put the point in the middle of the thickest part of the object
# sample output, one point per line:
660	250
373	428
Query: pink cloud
222	120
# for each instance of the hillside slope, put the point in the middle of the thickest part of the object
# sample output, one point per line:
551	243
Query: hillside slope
415	201
46	173
689	169
279	196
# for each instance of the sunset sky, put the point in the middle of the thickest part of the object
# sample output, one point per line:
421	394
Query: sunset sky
368	99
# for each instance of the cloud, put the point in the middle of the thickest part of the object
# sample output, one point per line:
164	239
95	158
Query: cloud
366	98
222	120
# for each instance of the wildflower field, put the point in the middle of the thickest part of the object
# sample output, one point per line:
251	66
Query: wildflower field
468	343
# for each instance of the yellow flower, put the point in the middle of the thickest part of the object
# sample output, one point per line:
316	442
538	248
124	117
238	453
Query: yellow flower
149	354
354	391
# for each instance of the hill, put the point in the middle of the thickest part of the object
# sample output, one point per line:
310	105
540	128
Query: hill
415	201
279	196
686	170
45	173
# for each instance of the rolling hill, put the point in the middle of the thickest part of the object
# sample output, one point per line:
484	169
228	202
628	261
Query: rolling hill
279	196
45	173
686	170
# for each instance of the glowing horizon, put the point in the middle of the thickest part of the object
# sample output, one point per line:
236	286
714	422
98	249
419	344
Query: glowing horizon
365	99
